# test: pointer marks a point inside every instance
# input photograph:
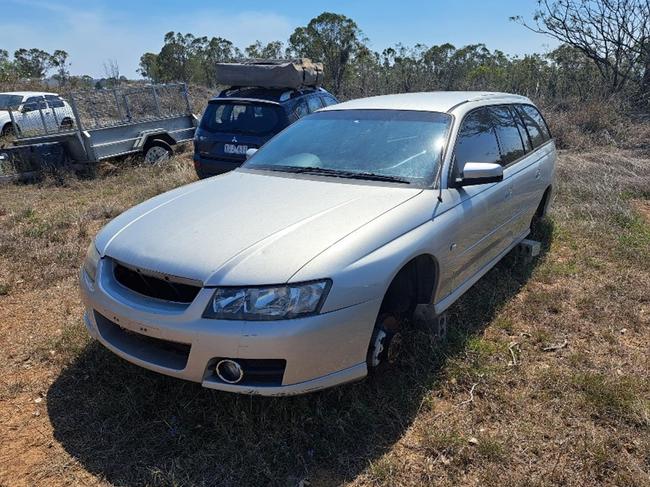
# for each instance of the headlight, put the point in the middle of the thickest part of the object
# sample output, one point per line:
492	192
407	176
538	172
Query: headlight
91	262
267	302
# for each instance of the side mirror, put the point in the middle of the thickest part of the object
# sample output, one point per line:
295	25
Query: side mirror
480	173
250	152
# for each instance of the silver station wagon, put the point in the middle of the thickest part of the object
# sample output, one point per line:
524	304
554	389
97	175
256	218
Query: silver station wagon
296	271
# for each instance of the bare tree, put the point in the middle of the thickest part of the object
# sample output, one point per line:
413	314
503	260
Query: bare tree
112	71
614	34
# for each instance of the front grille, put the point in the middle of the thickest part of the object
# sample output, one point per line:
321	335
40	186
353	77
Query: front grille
257	372
164	353
154	287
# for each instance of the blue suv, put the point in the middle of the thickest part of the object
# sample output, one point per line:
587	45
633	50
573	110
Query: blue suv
245	118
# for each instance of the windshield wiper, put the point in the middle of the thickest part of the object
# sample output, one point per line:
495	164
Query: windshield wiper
343	174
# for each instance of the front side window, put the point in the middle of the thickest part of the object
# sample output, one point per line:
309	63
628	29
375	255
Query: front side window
34	103
534	122
241	118
390	144
510	141
476	141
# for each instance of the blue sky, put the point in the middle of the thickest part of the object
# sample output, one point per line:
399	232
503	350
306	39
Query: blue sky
93	31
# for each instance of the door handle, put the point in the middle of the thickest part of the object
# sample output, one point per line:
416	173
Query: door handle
508	192
538	173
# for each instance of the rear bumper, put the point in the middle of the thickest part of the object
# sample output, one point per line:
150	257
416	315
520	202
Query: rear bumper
320	351
212	167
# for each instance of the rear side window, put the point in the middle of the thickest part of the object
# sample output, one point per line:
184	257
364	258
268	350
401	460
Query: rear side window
534	122
476	142
299	110
522	129
54	101
328	100
314	104
510	141
241	118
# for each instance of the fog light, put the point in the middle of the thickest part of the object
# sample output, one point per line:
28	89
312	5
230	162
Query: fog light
229	371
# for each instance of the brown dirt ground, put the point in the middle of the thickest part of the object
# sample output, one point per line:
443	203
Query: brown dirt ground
543	379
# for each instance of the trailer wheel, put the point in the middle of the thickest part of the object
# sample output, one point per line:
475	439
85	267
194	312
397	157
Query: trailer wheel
157	152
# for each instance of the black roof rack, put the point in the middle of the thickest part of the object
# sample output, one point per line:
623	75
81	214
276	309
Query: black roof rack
274	94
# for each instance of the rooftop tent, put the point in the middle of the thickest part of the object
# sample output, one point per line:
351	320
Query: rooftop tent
292	73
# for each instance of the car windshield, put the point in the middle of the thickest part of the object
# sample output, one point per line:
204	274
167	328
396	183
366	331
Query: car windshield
241	118
10	101
390	144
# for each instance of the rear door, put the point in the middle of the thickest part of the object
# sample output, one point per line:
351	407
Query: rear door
538	164
230	128
58	110
518	168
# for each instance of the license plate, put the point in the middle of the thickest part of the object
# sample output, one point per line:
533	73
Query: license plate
235	149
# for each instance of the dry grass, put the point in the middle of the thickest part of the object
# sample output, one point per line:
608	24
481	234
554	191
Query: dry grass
458	412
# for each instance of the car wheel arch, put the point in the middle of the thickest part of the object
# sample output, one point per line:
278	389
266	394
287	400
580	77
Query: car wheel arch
415	282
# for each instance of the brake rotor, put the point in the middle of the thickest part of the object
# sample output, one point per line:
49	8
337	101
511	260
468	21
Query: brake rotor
387	342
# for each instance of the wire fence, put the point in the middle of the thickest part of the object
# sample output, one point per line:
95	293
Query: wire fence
98	109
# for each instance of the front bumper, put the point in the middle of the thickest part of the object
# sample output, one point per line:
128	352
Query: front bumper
320	351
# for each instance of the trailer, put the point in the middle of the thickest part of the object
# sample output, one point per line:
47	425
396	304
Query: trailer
108	123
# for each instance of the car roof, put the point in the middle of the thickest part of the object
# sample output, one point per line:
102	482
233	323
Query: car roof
276	95
27	93
433	101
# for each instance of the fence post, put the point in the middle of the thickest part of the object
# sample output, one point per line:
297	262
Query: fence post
117	105
186	95
14	124
155	98
40	111
80	130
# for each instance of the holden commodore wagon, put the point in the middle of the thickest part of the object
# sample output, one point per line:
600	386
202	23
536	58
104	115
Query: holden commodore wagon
296	271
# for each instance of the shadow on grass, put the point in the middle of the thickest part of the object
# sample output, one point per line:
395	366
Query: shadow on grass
133	427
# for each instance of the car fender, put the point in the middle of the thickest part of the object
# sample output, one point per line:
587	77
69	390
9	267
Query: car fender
363	264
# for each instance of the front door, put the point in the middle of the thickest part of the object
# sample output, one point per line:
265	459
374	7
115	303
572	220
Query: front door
483	211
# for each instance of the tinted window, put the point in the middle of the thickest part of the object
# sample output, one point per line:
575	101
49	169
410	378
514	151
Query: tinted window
314	103
507	133
522	129
300	110
476	142
405	144
241	118
328	100
54	101
34	103
10	101
535	125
